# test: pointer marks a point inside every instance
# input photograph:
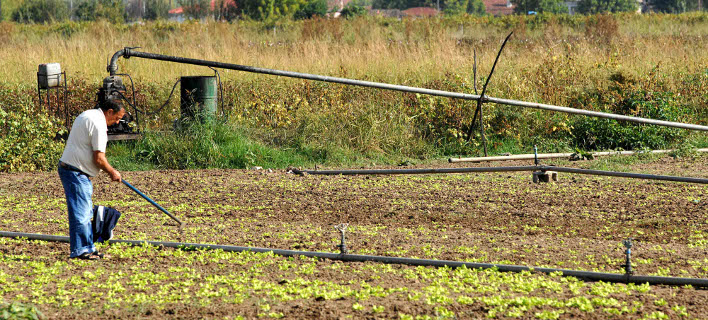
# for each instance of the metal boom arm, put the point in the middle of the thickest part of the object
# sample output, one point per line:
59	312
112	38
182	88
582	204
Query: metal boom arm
127	53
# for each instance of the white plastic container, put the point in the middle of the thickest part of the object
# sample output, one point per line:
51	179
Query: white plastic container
49	75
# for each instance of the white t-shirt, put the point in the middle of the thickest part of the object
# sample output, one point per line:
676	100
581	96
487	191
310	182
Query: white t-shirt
88	134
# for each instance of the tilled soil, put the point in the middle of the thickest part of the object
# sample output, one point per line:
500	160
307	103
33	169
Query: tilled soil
575	223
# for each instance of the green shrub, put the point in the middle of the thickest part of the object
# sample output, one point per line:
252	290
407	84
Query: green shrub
540	6
27	137
603	6
207	145
156	9
92	10
19	311
596	133
41	11
353	10
312	8
195	9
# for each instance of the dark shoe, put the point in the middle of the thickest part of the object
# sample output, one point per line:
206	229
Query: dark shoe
87	256
98	254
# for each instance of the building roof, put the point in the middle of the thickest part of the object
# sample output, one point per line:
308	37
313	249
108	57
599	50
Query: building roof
420	12
498	7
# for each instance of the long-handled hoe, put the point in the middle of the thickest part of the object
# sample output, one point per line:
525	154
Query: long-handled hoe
181	224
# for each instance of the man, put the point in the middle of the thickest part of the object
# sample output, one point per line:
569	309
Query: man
85	156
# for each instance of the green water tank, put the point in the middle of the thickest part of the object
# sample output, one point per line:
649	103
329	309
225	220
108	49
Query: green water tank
198	97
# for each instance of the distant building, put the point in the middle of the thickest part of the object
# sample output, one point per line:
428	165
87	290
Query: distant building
389	13
499	7
177	14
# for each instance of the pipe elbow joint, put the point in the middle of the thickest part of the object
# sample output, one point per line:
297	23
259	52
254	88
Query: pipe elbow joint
113	65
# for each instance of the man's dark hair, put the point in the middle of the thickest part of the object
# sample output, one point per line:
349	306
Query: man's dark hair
108	101
110	104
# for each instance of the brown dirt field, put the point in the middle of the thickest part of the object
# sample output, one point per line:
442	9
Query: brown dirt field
576	223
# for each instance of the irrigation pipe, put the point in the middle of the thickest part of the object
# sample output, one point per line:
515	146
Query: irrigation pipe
416	171
505	169
531	156
128	53
585	275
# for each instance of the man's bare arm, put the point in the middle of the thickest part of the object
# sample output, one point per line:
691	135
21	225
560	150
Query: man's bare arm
99	158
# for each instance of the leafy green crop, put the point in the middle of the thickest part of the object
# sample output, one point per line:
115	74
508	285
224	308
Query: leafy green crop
19	311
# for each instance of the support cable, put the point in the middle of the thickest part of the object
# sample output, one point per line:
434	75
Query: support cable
151	113
481	99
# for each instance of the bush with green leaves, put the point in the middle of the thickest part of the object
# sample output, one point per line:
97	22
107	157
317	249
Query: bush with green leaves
92	10
270	10
41	11
156	9
540	6
353	10
590	133
19	311
453	7
195	9
211	144
676	6
403	4
604	6
28	138
312	8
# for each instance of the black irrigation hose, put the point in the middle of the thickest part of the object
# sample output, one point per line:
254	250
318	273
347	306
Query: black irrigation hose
506	169
134	104
585	275
168	98
159	109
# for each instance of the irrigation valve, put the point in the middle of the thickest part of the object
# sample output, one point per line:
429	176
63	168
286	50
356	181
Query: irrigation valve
342	227
628	257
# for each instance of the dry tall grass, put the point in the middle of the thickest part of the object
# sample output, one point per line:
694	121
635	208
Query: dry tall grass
577	51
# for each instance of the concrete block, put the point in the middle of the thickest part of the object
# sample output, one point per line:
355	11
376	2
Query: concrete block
547	176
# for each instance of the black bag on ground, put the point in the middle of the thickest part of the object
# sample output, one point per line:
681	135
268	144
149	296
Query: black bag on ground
103	222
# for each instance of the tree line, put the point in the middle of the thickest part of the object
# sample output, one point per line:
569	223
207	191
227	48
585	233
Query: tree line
117	11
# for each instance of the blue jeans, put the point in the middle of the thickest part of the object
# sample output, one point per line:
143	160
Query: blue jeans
78	190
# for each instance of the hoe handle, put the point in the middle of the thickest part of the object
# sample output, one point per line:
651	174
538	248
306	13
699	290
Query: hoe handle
152	202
